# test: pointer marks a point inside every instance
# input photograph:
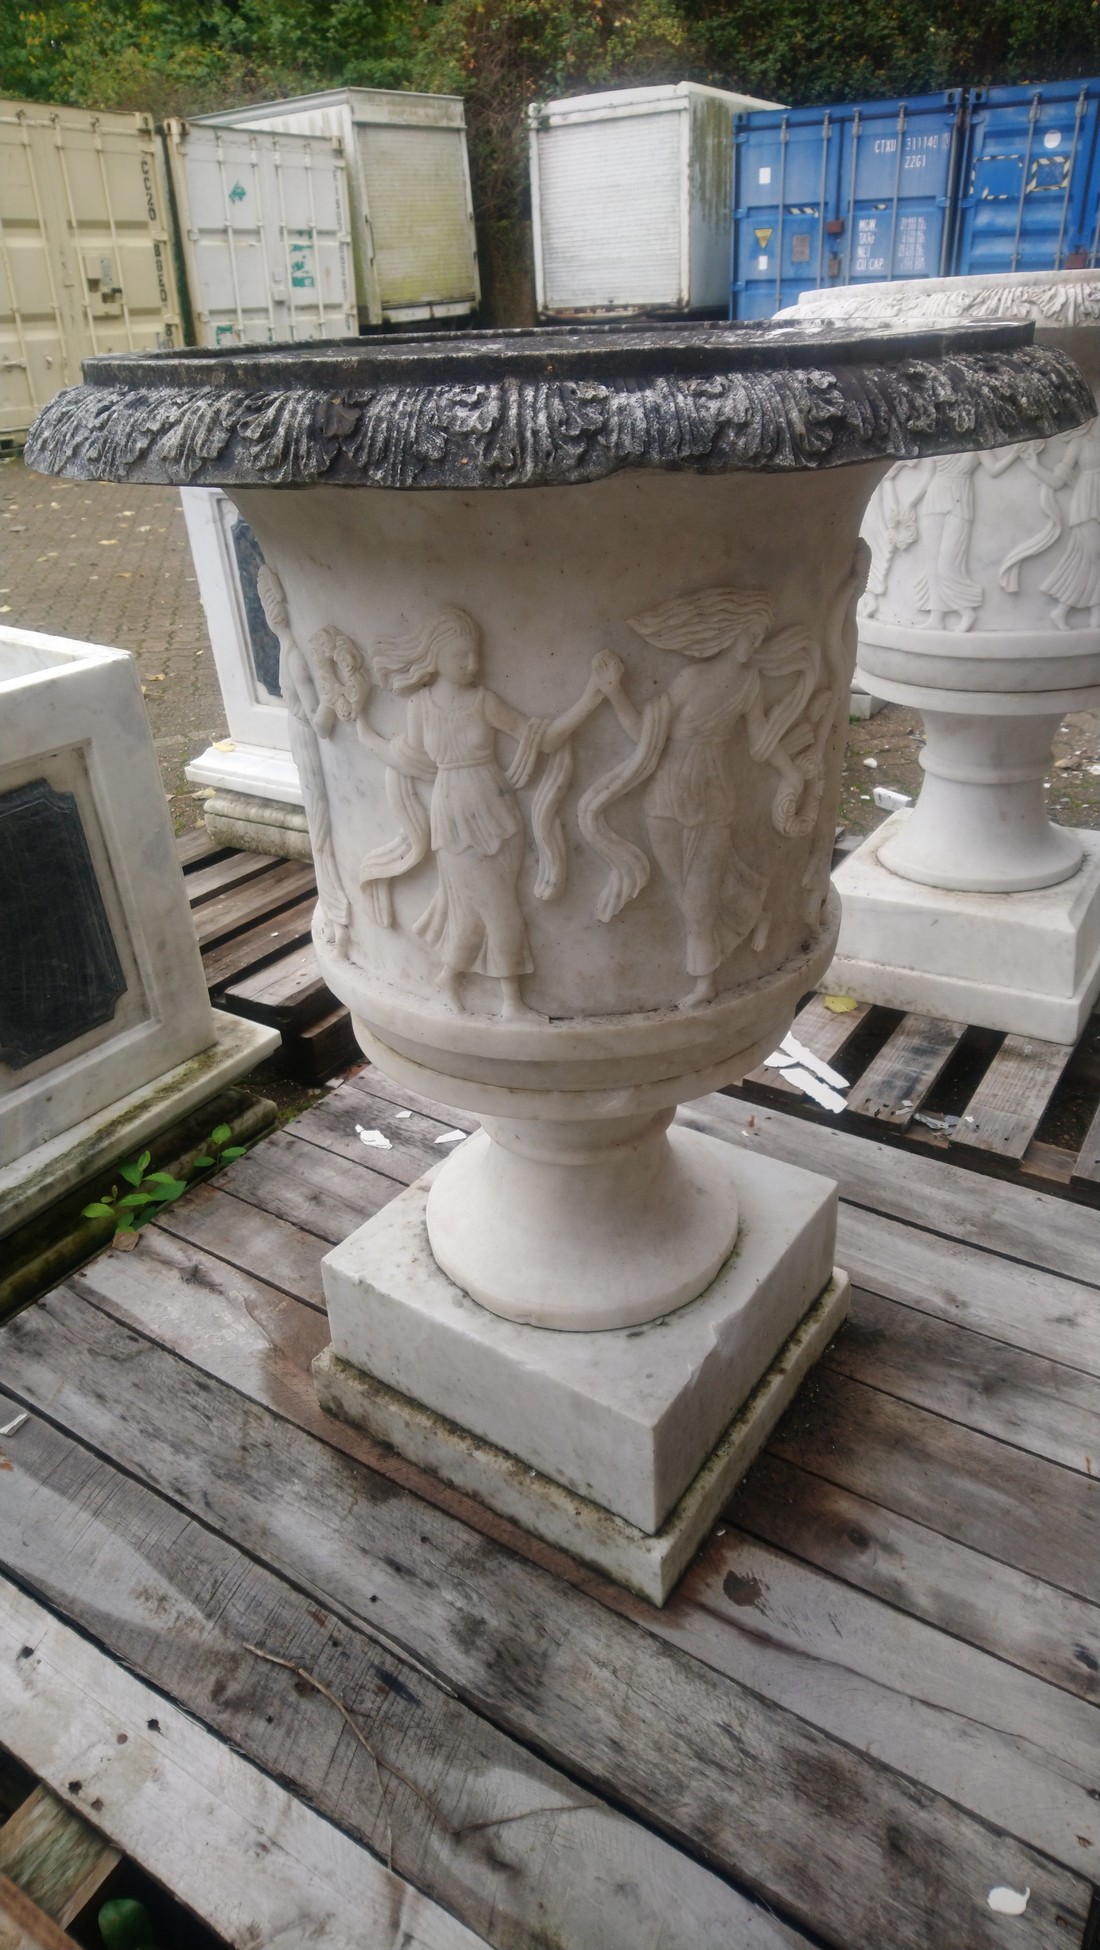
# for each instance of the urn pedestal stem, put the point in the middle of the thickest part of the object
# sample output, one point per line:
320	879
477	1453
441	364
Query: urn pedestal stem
571	760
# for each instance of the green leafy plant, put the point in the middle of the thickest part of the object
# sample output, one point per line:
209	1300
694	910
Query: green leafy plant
124	1925
149	1190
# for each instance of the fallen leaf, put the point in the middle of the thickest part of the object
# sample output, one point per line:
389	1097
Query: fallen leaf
840	1005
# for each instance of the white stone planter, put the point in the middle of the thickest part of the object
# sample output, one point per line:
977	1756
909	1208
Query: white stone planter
983	612
571	760
106	1033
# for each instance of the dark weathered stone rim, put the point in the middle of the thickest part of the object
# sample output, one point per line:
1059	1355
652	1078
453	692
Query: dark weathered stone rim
501	414
610	353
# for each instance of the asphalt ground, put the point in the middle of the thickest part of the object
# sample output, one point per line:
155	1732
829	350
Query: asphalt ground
112	565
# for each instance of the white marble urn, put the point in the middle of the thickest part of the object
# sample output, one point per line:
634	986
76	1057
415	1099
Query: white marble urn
982	611
567	626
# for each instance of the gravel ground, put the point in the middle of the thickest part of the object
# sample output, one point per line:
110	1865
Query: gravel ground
112	565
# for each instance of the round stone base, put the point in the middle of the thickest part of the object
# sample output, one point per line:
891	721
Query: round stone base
584	1226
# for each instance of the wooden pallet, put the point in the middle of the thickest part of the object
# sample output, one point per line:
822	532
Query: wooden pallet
989	1099
253	916
872	1705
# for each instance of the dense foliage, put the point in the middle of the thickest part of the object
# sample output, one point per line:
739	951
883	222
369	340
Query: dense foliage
187	56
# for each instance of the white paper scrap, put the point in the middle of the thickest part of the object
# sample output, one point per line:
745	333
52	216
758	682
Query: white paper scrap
798	1053
402	1113
13	1428
451	1137
778	1060
813	1086
377	1140
1008	1902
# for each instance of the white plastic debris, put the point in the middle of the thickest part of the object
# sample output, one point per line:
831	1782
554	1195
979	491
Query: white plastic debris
887	800
403	1113
13	1427
1008	1902
813	1086
871	764
793	1048
451	1137
377	1140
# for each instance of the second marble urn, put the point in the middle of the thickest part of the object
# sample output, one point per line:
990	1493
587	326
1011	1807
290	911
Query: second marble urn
982	611
567	626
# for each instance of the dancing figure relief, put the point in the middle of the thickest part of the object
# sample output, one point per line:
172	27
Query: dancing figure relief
315	703
683	748
474	922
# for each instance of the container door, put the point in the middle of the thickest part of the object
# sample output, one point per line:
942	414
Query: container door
1030	182
37	314
238	295
416	185
898	172
309	234
611	212
786	195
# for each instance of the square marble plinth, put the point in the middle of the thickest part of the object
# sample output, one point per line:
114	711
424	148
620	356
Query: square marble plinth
648	1563
624	1418
1027	963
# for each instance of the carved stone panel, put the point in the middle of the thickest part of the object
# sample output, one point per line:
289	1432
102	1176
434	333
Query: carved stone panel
60	973
263	643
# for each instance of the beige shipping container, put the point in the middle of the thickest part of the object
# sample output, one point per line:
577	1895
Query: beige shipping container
409	192
85	249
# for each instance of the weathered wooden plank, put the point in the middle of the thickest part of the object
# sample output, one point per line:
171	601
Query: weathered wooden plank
896	1083
287	994
258	945
1040	1312
543	1861
377	1084
245	1237
255	1864
1086	1170
813	1827
194	849
1013	1219
1005	1110
23	1926
923	1574
314	1189
1015	1750
1009	1613
1016	1508
243	907
934	1729
220	876
54	1856
314	1052
335	1123
1037	1405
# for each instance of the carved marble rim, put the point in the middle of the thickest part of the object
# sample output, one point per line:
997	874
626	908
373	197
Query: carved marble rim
554	409
1054	299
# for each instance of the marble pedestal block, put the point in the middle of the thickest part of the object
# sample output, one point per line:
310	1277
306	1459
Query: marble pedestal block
106	1030
257	796
621	1445
570	760
1027	962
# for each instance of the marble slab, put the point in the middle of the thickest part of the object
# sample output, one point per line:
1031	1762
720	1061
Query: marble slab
625	1417
1027	963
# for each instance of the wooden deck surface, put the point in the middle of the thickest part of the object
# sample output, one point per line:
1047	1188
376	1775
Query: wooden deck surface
330	1701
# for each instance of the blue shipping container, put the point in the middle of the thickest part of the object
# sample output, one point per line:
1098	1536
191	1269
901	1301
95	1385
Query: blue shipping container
1029	190
846	195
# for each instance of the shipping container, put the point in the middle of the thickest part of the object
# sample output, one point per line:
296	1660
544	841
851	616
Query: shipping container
1029	195
412	216
264	234
854	194
85	255
630	200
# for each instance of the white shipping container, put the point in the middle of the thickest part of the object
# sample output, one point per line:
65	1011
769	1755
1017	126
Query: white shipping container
85	253
631	200
264	232
408	189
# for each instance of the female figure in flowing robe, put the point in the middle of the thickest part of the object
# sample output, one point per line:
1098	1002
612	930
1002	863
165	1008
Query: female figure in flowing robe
1074	581
311	717
683	743
474	922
